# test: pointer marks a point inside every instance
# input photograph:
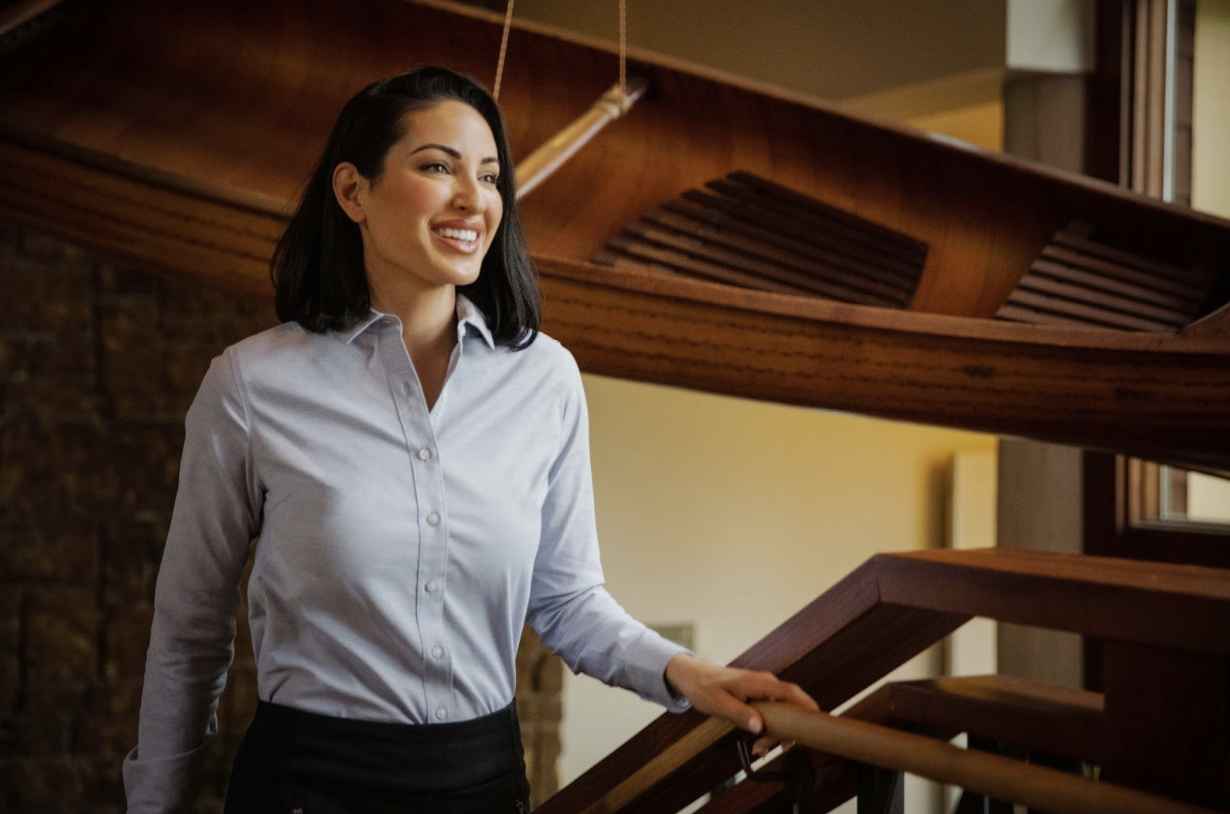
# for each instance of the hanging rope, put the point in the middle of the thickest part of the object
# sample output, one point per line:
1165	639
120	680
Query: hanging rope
499	65
623	49
538	165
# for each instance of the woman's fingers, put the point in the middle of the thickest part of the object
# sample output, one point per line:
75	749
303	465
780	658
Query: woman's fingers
727	691
730	707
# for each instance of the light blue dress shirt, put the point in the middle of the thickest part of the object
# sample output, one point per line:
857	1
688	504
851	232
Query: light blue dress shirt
400	551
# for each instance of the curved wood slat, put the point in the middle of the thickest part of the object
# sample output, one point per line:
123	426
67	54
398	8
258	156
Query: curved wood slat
842	257
837	248
777	248
1124	288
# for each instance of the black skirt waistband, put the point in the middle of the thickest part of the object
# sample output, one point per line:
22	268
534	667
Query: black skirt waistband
374	755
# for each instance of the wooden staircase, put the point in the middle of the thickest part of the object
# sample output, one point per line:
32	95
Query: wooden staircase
1160	724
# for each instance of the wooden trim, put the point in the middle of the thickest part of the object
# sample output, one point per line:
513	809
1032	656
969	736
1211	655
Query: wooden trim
1107	134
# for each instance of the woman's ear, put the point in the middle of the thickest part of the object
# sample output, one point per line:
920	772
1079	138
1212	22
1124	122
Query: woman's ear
350	187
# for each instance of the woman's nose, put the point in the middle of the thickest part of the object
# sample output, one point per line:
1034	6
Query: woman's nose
468	197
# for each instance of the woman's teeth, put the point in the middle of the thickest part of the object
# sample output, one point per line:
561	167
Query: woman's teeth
460	234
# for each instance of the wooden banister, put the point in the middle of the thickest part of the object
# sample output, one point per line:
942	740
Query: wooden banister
999	777
1042	719
895	606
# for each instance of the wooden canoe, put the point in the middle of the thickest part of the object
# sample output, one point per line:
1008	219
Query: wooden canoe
176	135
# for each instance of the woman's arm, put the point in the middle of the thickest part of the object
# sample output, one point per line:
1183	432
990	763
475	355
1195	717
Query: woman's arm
216	515
577	618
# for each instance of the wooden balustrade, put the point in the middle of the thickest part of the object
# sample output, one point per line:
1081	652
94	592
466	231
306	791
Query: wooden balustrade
896	605
1002	778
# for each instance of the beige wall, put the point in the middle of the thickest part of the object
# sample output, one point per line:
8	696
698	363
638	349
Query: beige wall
1211	108
1209	498
829	49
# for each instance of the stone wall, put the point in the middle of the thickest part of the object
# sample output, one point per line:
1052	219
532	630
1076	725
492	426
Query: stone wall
98	364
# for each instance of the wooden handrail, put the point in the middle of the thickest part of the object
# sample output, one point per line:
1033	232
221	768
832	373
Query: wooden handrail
538	165
1002	778
1040	719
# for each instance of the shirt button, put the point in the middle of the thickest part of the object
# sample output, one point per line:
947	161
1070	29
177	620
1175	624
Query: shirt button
437	652
408	389
424	454
441	713
431	586
433	519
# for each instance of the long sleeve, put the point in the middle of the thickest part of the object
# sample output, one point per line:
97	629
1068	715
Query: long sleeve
217	513
569	607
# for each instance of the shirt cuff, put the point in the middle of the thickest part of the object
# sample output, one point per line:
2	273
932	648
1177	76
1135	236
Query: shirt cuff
646	665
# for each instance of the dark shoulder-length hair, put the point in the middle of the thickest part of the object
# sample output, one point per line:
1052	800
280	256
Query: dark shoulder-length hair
317	268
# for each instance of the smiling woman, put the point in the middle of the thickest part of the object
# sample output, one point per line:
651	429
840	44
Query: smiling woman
426	222
413	456
428	219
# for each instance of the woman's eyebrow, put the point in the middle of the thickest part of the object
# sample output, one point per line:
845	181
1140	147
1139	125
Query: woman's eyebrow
450	151
440	147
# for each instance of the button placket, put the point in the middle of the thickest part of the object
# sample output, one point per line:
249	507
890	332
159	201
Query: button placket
427	486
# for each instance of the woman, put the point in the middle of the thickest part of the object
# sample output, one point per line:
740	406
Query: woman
413	455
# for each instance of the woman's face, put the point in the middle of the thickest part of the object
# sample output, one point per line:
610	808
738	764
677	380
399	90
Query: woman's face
429	218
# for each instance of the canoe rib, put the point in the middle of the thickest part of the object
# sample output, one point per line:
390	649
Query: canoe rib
760	235
1079	281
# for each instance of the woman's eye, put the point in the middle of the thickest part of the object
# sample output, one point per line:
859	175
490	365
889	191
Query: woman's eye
490	178
434	166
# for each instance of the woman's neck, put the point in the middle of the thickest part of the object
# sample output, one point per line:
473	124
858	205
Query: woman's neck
428	316
429	329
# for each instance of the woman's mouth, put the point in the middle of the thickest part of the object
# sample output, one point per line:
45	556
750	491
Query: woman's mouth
462	240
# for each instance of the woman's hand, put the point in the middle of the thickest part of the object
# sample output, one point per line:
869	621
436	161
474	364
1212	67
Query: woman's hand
725	691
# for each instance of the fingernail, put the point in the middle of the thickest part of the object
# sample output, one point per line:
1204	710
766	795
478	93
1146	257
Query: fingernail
753	726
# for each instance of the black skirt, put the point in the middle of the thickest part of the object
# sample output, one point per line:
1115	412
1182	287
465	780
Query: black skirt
294	762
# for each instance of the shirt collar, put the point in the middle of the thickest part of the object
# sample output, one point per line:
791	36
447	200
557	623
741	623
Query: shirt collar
468	316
